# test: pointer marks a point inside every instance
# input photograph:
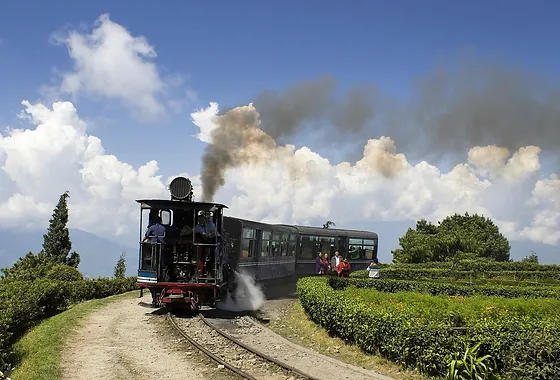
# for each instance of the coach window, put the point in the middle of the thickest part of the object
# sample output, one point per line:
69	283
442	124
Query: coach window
265	251
249	242
355	249
327	245
276	245
292	245
369	248
309	248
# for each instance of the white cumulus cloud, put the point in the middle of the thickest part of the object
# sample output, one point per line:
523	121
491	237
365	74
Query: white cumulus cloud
110	62
59	155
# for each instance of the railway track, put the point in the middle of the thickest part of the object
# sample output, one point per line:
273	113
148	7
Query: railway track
239	358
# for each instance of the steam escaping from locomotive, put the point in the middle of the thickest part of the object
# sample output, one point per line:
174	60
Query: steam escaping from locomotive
248	295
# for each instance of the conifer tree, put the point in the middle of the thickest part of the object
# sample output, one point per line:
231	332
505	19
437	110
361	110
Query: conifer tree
120	268
56	242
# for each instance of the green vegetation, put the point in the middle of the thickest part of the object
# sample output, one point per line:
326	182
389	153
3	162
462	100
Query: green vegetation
120	268
424	332
456	237
452	304
39	286
40	349
445	288
297	327
56	242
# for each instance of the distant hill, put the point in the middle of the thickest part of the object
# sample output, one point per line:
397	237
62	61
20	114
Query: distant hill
98	255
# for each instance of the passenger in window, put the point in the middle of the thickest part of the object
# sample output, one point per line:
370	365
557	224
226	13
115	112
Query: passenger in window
373	268
343	268
325	264
318	262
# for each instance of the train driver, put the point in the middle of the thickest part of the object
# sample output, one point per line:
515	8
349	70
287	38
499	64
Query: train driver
156	231
206	226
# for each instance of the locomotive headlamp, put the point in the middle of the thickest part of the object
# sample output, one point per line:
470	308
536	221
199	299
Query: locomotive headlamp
181	189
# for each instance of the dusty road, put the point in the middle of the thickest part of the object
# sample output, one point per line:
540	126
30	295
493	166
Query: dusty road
123	341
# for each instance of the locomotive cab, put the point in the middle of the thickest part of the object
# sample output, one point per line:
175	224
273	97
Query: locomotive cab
182	255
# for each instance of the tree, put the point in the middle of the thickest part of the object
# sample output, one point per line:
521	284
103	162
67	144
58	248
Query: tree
532	258
56	242
29	267
456	237
329	224
120	268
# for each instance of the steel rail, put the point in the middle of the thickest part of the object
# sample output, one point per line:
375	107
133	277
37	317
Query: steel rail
257	352
208	353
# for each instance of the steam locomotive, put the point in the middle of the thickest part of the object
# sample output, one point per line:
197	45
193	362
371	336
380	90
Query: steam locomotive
191	250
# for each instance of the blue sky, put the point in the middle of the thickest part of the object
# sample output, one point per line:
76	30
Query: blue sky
232	50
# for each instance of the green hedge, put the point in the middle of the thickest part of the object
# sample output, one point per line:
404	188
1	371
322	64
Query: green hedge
413	273
445	288
24	303
484	266
424	331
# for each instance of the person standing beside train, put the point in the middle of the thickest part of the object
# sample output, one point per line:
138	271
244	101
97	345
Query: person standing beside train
318	262
336	259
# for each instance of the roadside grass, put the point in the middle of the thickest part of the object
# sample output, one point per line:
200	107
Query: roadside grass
40	349
296	326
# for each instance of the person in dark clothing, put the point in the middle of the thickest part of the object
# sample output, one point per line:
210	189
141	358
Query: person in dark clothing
156	234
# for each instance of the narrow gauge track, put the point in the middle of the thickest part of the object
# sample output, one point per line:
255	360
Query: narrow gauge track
234	355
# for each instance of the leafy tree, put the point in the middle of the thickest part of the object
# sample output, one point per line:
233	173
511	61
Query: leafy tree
120	268
532	258
329	224
56	242
457	237
29	267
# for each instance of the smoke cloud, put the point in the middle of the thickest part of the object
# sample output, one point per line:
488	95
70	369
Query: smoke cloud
448	113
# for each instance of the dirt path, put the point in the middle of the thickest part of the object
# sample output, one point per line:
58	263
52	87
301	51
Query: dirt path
123	341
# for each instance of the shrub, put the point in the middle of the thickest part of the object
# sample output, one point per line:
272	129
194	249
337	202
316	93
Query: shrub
63	272
424	331
445	288
412	273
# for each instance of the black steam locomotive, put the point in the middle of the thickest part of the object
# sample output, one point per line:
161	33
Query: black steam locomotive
190	250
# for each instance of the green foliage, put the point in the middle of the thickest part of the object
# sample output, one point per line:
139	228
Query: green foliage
425	331
64	273
120	268
444	288
470	366
532	258
56	242
24	303
481	265
29	268
398	272
329	224
456	237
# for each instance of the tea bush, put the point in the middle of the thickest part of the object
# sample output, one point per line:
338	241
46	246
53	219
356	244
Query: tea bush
64	273
445	288
24	303
425	331
413	272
